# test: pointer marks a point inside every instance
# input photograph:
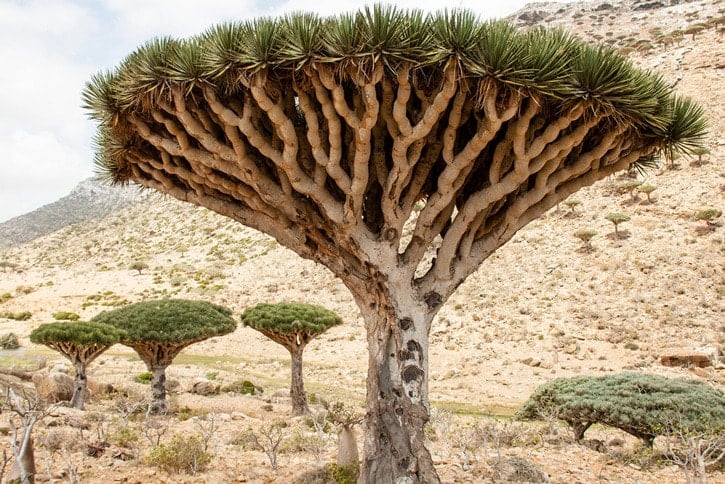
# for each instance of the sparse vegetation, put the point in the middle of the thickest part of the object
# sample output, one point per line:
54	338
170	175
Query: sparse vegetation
708	216
183	454
9	341
269	438
20	316
606	305
6	264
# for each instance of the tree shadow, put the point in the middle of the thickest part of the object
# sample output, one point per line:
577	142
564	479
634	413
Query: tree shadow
623	235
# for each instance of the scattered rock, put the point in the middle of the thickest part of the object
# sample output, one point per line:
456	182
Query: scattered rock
205	387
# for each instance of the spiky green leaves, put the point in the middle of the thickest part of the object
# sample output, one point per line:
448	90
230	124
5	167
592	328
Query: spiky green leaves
290	318
78	332
540	63
610	83
169	321
686	131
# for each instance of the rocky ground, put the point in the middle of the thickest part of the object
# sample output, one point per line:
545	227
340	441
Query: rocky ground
541	307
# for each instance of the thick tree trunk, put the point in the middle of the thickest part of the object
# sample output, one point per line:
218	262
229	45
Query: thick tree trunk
397	392
297	388
80	387
158	391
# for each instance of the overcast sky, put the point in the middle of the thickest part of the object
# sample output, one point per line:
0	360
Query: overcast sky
49	48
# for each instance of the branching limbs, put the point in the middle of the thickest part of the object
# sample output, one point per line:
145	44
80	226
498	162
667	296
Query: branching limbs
332	162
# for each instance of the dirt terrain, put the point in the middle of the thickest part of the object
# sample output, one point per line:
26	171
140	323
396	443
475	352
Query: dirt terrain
539	308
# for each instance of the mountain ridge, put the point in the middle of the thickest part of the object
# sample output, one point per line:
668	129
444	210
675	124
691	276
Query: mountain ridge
91	199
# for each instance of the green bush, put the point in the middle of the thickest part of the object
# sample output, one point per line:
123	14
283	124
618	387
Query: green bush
5	297
21	316
182	454
65	316
9	341
346	474
642	405
144	377
243	387
125	437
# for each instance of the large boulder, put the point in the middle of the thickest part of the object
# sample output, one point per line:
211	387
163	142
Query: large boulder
685	358
54	386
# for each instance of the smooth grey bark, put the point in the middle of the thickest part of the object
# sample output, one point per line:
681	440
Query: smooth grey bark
80	391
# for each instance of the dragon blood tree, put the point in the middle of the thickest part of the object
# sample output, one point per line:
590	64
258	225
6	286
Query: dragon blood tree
292	325
326	133
159	330
81	343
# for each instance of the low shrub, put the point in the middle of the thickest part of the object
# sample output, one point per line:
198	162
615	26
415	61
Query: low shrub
144	377
243	387
21	316
346	474
182	454
9	341
125	437
65	316
642	405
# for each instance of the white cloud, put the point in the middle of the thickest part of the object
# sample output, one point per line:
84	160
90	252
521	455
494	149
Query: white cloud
50	48
139	20
37	168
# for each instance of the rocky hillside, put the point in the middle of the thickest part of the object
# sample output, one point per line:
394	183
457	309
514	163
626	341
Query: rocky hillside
89	200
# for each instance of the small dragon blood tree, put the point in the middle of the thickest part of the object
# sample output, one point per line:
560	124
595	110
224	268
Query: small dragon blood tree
81	343
159	330
292	325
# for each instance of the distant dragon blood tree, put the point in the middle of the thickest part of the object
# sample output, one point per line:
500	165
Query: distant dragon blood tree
159	330
81	343
326	132
292	325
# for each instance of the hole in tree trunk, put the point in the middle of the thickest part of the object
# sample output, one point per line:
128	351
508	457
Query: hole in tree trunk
405	355
413	346
433	299
411	373
405	324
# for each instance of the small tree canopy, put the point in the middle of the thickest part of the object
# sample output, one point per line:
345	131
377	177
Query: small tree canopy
290	318
78	332
642	405
81	343
169	320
